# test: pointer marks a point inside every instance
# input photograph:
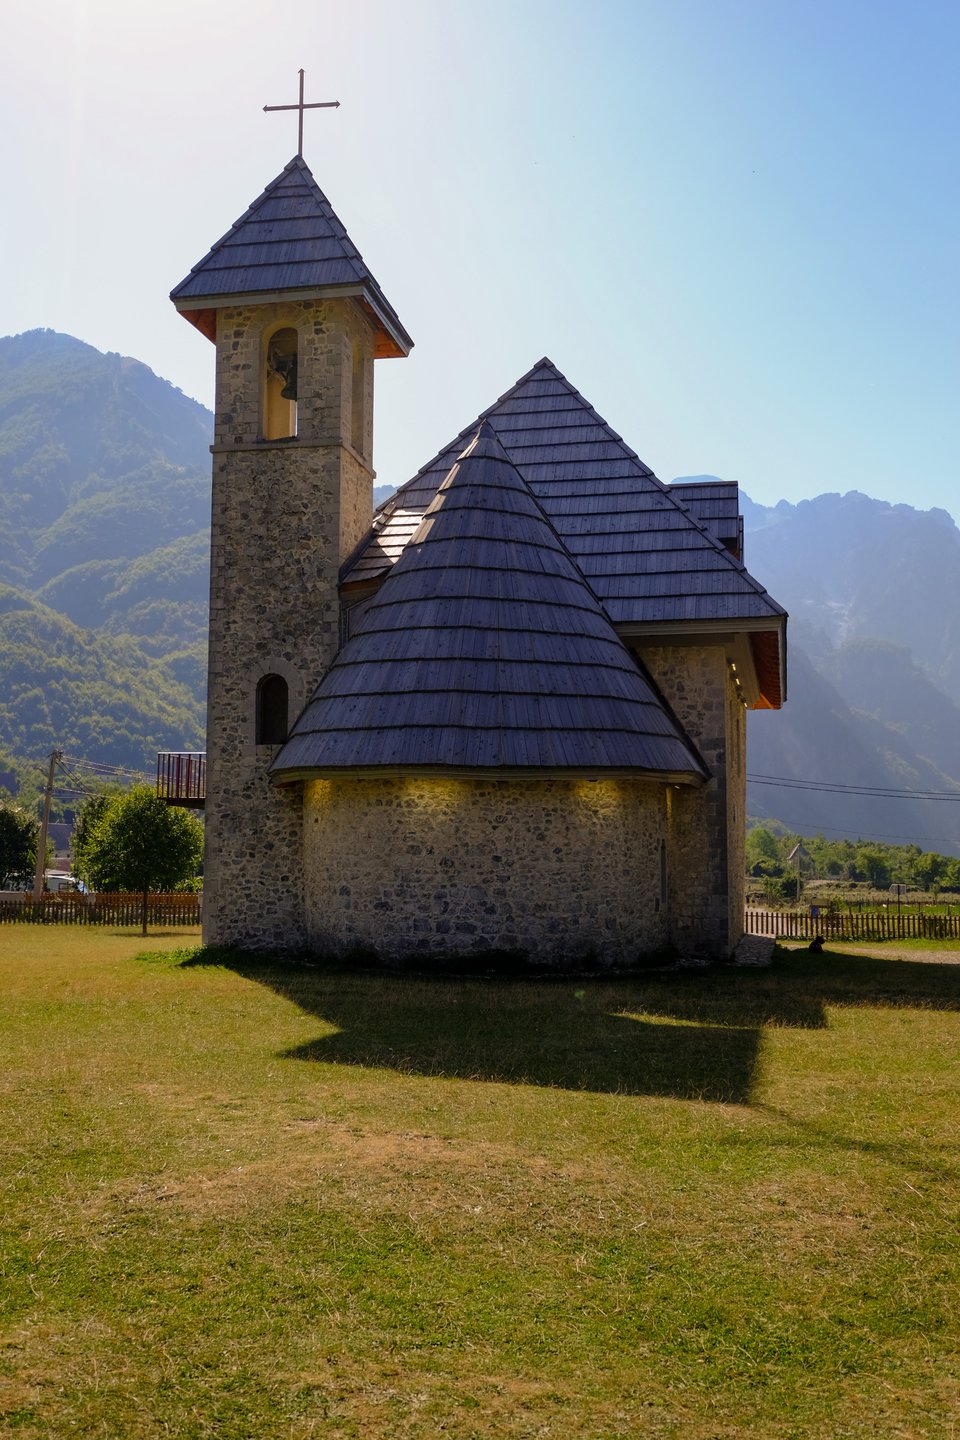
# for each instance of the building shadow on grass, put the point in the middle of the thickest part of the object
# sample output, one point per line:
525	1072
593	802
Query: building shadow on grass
548	1041
692	1035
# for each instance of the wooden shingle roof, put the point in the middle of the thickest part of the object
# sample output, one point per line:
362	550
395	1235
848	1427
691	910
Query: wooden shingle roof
646	554
654	554
289	243
485	648
716	504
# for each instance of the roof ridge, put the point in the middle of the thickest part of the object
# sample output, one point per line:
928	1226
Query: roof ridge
543	363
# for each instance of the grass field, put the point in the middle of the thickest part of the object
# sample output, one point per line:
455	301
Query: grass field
244	1201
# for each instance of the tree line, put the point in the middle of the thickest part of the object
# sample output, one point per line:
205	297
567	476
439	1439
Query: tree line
771	860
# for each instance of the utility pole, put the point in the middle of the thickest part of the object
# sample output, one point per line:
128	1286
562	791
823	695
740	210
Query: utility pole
39	873
799	854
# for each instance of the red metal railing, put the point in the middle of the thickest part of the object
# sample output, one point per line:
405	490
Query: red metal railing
182	777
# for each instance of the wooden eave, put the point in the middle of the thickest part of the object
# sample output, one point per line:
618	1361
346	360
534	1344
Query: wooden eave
204	320
691	778
767	641
391	341
770	662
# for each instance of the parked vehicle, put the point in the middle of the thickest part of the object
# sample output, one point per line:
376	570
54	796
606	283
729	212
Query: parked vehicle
59	881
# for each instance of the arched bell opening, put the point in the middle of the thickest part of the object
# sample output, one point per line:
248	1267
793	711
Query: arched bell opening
281	363
273	707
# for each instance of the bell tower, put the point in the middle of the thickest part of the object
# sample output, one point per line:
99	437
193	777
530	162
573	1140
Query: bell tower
297	320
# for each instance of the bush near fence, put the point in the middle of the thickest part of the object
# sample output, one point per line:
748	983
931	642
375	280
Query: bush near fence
859	925
115	908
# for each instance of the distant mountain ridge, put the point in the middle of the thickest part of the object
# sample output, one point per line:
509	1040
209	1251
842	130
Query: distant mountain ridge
849	567
104	561
873	592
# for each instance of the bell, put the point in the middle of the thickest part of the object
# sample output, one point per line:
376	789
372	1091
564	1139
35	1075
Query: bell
286	367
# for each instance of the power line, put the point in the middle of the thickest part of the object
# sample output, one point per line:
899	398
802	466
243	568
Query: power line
78	788
100	768
832	787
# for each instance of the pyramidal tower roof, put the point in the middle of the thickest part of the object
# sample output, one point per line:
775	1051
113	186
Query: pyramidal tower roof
288	244
485	648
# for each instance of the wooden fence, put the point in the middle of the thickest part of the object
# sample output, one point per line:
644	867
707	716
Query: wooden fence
857	925
113	909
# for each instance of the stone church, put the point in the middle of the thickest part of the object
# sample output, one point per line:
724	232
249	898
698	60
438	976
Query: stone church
505	712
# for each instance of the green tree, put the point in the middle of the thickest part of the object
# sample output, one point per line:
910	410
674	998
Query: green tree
18	844
929	870
763	855
89	815
140	843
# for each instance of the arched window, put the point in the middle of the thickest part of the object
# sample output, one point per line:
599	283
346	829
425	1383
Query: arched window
272	706
280	386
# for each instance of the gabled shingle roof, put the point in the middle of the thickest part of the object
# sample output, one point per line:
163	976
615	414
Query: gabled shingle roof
486	649
647	557
289	241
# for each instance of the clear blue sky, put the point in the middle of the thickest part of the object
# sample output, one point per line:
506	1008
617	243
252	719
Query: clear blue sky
733	224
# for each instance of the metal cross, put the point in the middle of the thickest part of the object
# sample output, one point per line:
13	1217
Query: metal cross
316	105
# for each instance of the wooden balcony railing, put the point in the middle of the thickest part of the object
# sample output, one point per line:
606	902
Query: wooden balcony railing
182	777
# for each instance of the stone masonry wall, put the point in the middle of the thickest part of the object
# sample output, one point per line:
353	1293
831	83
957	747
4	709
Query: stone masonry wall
561	869
706	855
285	514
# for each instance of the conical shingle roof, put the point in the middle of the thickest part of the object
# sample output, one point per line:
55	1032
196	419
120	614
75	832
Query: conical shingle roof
485	648
288	243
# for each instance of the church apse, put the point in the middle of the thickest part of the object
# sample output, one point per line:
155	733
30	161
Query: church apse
562	870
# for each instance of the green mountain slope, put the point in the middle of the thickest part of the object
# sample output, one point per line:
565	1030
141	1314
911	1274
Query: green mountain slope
104	554
99	458
160	597
97	697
